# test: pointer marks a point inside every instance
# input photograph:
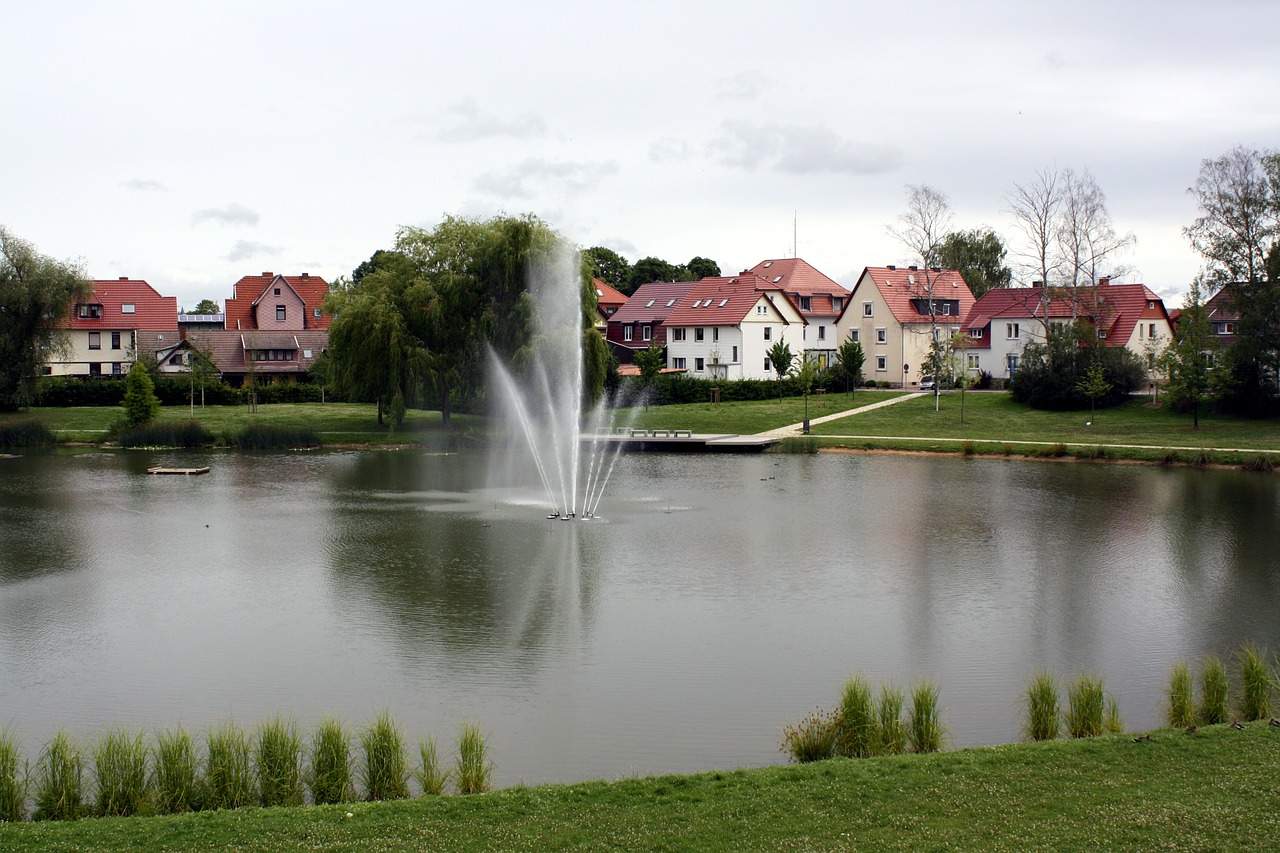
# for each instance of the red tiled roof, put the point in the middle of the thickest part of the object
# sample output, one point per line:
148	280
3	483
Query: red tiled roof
246	292
1117	309
226	348
895	285
649	303
606	295
151	310
797	277
723	301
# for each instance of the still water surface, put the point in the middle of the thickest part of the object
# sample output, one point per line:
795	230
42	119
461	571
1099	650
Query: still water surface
719	597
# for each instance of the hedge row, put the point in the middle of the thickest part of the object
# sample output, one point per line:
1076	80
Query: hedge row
171	390
673	388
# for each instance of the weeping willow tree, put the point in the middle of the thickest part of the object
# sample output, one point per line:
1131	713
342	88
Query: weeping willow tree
421	319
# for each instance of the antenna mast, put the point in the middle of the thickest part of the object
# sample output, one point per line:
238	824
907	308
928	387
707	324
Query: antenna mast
795	241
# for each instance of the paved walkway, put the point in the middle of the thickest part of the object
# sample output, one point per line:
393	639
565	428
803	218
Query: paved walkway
798	429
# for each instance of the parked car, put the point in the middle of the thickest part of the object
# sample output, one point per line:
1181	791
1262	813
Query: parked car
926	383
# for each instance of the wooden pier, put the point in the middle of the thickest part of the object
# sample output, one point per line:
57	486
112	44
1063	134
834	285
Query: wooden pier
681	440
186	471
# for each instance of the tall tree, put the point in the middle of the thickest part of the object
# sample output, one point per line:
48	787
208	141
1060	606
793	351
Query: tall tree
36	293
700	267
1087	239
979	255
653	269
140	403
849	360
1186	360
781	356
206	307
1035	206
1239	221
921	230
608	266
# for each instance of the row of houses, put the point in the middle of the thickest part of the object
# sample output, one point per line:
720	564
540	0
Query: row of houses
273	326
724	327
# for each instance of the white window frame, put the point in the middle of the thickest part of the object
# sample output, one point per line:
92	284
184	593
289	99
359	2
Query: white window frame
1013	331
882	363
627	332
768	333
882	335
866	309
699	334
646	332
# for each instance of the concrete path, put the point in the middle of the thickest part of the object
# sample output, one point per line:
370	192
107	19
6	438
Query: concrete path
798	429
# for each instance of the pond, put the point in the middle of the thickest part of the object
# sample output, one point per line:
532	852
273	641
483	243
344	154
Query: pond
717	599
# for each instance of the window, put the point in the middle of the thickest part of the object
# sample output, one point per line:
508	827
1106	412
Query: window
175	359
279	313
768	333
735	355
882	336
677	334
95	369
977	333
822	333
866	309
678	363
95	340
671	303
316	313
837	304
882	362
276	292
1224	328
972	361
1011	330
699	333
117	368
90	311
649	304
767	365
1102	334
1151	330
699	365
115	340
1013	363
627	332
855	335
715	333
646	333
306	353
946	309
128	308
805	303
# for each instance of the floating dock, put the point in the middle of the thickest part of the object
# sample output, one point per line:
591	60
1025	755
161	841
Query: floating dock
187	471
681	440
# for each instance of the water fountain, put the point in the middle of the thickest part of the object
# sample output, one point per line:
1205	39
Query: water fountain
572	459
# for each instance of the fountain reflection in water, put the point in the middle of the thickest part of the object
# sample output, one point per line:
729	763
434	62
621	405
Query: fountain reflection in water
572	459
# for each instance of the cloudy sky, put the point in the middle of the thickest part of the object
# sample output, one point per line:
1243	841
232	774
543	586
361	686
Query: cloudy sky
191	143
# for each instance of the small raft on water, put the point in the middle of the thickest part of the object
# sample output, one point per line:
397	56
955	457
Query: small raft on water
204	470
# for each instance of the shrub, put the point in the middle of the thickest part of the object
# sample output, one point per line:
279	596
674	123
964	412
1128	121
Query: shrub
891	730
120	768
431	776
474	769
1049	374
77	391
166	434
140	402
1213	691
1182	709
330	776
228	781
273	437
1112	722
966	448
1255	682
1086	706
856	720
13	782
59	780
25	432
385	771
813	738
1044	719
278	757
176	772
924	727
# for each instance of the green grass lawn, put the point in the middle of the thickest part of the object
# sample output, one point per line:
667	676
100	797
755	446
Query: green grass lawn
1212	790
746	418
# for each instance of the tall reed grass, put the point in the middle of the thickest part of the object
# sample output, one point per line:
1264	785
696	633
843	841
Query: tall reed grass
924	726
60	780
165	434
176	772
13	780
385	770
120	771
278	756
1214	688
228	779
432	777
856	719
474	771
273	437
1086	706
1044	719
330	775
1112	722
1255	683
25	432
813	738
1182	708
891	730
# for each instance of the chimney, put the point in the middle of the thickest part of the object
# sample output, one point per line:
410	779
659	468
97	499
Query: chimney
913	268
304	275
1037	284
1104	281
124	278
267	274
892	267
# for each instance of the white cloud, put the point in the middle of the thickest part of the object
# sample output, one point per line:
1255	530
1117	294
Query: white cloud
144	185
244	249
536	175
800	150
231	214
743	86
471	124
670	150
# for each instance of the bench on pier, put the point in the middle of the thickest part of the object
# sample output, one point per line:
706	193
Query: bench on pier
665	433
682	433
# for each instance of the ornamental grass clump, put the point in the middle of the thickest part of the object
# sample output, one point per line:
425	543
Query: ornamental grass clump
924	724
273	437
431	776
1255	683
891	733
1214	688
1086	706
1181	712
856	719
228	778
120	770
176	772
278	757
13	781
25	432
385	770
474	770
330	776
1112	722
166	434
813	738
59	780
1044	719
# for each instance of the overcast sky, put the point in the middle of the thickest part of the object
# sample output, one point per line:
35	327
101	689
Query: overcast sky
192	143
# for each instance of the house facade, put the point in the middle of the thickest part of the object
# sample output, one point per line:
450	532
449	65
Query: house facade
109	328
819	299
894	312
608	301
640	322
725	326
1005	320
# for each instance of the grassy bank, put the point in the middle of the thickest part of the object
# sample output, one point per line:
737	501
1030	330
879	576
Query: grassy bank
1214	789
747	417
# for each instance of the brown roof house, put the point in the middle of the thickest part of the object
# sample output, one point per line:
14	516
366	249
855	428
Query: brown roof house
108	329
640	322
819	298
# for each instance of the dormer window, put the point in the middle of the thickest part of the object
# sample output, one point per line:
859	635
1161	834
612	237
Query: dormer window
128	308
89	310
